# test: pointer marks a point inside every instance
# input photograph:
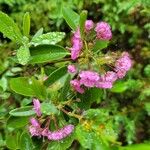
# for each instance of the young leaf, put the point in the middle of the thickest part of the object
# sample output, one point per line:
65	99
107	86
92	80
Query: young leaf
71	18
23	55
119	87
22	111
48	38
83	17
47	53
99	45
9	28
17	122
26	24
56	75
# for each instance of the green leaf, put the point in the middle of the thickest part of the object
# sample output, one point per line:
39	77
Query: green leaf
99	45
47	53
48	38
22	111
22	85
147	70
83	17
28	87
9	28
17	122
12	141
49	108
23	55
143	146
89	139
65	89
71	18
61	145
26	24
38	33
56	75
119	87
26	142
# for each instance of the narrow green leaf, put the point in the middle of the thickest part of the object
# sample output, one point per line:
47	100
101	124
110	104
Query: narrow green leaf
48	38
17	122
47	53
83	17
38	33
22	111
56	75
9	28
71	18
26	142
23	55
99	45
26	24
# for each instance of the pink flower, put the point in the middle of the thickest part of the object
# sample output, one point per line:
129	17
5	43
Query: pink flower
34	128
103	31
34	122
37	107
89	78
34	131
89	24
62	133
72	69
76	85
110	76
123	64
104	85
77	45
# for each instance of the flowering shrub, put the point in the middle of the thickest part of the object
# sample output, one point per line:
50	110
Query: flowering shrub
61	95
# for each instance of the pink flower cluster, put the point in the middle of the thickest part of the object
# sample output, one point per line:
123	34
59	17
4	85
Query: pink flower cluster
77	45
93	79
35	128
103	32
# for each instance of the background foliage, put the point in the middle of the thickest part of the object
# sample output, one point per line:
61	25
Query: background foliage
128	101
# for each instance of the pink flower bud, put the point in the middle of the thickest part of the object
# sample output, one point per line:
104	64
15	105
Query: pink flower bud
76	85
72	69
34	122
89	24
37	107
103	31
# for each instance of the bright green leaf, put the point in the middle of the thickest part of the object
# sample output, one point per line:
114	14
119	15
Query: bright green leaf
22	111
119	87
83	17
23	55
48	38
71	18
47	53
9	28
26	24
